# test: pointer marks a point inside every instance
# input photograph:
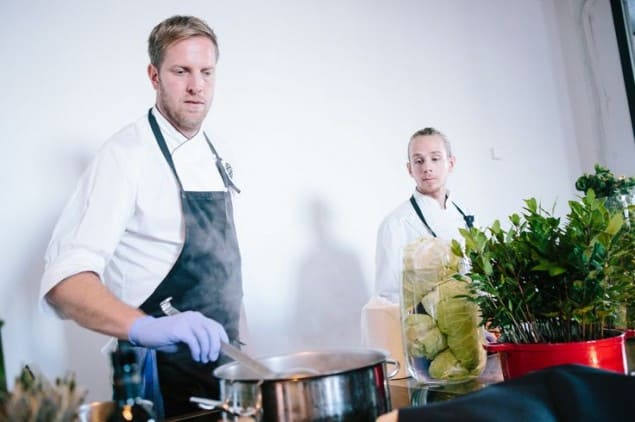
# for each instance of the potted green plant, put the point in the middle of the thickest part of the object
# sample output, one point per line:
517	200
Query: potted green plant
553	286
618	192
605	184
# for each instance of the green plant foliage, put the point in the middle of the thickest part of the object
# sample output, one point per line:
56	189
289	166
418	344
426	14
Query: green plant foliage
547	280
604	183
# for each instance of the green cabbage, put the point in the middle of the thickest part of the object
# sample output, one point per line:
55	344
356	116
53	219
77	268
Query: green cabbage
414	289
423	337
431	258
430	301
458	318
426	263
446	366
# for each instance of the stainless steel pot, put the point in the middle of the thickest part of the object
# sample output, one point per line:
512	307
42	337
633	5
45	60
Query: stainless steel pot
333	385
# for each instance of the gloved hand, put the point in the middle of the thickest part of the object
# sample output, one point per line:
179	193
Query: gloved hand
202	335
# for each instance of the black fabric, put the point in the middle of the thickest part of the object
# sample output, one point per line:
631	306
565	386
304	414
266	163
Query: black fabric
420	215
223	168
469	219
562	393
184	378
206	277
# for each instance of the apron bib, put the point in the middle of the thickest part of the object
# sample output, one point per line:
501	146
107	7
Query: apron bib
206	277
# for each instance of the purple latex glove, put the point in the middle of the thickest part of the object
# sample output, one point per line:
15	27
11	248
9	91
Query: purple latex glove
202	335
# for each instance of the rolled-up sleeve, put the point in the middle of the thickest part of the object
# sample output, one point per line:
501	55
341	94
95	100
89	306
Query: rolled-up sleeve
92	222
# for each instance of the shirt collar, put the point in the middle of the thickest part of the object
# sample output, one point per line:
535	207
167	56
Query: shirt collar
429	201
173	138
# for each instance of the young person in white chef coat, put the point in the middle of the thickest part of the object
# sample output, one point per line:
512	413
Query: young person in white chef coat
151	219
430	211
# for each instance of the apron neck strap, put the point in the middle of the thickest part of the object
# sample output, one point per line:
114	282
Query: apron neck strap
164	148
421	217
469	219
227	180
220	165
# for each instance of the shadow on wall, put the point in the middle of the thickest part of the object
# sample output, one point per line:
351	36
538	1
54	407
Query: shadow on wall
330	289
55	347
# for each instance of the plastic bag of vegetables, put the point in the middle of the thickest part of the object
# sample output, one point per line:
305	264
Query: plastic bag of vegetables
442	336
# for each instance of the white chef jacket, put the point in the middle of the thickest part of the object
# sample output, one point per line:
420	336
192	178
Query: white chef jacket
124	220
401	227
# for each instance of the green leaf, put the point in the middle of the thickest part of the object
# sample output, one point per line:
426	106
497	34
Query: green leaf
456	248
532	204
615	224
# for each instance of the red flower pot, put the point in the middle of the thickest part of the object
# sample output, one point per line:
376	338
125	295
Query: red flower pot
518	359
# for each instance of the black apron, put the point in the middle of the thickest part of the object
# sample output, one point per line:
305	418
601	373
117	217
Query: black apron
469	219
206	277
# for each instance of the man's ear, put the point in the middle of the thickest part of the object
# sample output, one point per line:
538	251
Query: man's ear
153	74
409	168
451	162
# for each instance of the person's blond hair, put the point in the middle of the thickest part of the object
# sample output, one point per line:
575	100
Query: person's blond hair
427	132
175	29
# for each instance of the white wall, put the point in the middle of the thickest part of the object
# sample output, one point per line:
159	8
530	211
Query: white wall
318	99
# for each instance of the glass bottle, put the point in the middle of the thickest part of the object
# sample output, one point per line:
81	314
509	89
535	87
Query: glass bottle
129	406
442	337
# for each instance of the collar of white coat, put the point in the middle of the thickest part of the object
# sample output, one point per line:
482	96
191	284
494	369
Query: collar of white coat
429	201
173	138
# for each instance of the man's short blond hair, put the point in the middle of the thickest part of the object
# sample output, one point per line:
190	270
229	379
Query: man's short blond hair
175	29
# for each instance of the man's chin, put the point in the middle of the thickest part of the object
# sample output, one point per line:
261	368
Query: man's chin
427	190
191	123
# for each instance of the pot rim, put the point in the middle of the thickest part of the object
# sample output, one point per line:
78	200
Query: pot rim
375	356
504	347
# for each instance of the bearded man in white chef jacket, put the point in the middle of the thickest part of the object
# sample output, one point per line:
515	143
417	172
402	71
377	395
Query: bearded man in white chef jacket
152	219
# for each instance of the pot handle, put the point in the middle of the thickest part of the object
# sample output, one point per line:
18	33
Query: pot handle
209	404
629	333
396	370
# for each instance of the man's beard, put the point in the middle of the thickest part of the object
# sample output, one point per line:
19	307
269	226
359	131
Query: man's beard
179	118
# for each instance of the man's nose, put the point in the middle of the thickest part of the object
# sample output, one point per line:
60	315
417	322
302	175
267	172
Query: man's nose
195	84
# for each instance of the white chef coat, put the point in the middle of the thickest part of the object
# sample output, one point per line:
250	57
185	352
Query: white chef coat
401	227
124	220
